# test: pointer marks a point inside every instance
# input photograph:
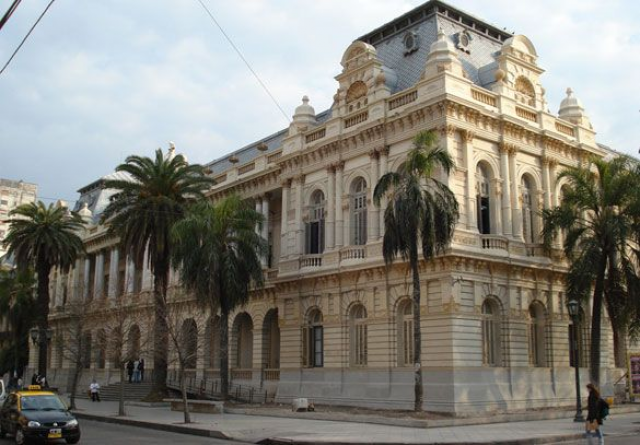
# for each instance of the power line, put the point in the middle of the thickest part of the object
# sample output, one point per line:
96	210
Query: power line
7	15
244	60
26	37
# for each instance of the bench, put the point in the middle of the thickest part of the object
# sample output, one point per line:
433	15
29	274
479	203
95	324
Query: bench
197	406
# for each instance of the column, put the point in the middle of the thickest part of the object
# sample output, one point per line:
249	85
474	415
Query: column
470	189
552	183
86	285
383	166
265	226
516	206
147	276
76	295
545	182
372	210
299	224
98	279
258	201
339	217
113	272
331	213
284	219
130	275
507	224
496	185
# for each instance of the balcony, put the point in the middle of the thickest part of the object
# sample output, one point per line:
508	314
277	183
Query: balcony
352	253
311	260
494	242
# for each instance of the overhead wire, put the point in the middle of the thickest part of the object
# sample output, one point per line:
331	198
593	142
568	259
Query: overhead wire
7	15
264	87
26	37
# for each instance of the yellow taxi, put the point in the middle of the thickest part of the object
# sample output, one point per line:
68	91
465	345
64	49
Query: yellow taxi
36	415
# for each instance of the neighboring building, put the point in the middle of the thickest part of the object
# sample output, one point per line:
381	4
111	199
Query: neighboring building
333	323
13	194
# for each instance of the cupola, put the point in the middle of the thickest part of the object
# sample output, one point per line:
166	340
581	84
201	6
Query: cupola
305	116
571	110
442	57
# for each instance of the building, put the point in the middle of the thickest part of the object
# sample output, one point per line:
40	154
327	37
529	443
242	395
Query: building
332	323
13	194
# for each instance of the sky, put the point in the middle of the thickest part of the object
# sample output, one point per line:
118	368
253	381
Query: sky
100	80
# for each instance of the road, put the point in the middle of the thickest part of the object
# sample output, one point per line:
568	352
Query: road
100	433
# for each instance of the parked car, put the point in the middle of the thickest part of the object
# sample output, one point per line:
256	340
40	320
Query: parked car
34	414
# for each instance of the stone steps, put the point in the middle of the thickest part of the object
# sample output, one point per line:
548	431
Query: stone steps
132	391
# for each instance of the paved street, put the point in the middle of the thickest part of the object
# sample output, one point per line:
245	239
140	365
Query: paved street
100	433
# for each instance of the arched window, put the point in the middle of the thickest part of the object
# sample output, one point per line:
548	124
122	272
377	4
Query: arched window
406	344
359	212
314	230
524	91
537	335
358	335
189	343
491	326
271	340
528	227
212	343
243	333
313	340
483	200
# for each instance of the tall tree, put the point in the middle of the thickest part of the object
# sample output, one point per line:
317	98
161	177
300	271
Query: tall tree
142	213
595	219
42	238
421	213
17	307
218	253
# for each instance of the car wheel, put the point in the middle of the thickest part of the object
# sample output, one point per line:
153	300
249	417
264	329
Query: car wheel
73	440
19	436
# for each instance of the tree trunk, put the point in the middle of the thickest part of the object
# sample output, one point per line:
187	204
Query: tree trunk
121	410
224	354
620	336
77	372
417	335
183	390
160	336
43	269
596	322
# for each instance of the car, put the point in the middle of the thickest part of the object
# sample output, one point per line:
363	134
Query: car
36	415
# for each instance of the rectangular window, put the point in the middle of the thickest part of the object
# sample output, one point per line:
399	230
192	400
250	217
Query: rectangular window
360	345
407	340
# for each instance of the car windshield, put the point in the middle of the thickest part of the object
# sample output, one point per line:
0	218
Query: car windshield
42	403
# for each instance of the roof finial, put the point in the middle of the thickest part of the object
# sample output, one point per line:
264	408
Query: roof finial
569	91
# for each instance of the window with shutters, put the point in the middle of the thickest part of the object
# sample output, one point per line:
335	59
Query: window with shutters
491	327
537	335
359	212
483	200
314	229
358	335
405	333
313	340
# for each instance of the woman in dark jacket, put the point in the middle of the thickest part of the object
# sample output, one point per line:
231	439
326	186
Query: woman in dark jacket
595	413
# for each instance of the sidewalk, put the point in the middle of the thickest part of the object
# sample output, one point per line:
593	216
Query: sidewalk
298	429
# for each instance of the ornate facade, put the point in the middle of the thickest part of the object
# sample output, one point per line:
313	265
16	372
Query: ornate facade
333	323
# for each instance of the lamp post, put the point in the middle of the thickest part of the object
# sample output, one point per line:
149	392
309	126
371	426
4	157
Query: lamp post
574	311
40	337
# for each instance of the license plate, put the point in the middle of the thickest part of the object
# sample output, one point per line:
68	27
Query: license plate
55	434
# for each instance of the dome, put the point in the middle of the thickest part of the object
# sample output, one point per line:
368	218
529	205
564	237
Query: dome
442	55
570	102
304	115
571	110
85	213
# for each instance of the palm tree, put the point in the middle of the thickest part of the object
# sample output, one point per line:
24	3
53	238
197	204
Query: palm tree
218	253
421	209
595	217
44	237
142	213
17	307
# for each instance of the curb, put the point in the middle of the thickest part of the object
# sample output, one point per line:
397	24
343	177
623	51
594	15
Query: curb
171	428
283	441
533	441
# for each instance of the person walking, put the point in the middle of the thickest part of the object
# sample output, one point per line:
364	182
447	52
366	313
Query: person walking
595	406
94	387
34	378
141	368
130	370
136	372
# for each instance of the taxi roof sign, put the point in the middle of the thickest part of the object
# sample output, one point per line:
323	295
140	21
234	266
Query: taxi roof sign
34	388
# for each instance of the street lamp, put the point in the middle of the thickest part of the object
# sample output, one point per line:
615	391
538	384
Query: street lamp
40	337
574	311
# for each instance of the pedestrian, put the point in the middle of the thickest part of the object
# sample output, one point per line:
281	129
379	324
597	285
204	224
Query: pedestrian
141	368
42	381
130	370
35	378
595	406
136	372
95	391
